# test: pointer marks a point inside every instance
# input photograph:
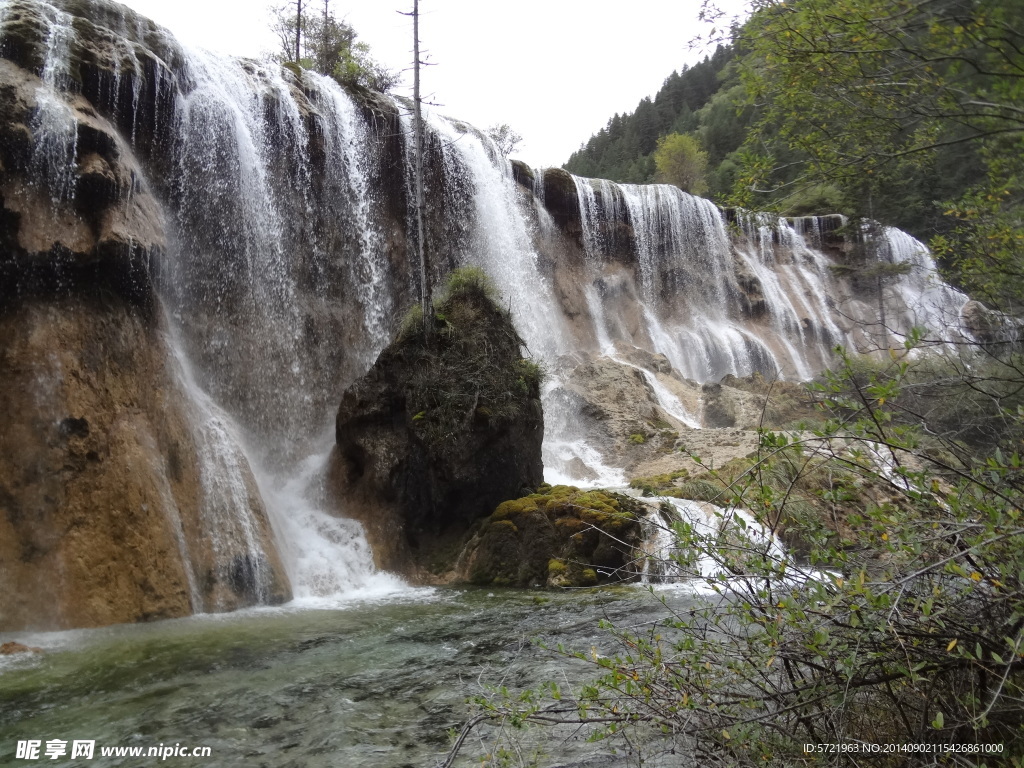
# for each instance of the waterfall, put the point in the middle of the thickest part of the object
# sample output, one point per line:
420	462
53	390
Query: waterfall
327	557
54	127
688	280
286	262
347	148
593	243
666	400
924	300
228	503
240	130
252	283
500	241
722	542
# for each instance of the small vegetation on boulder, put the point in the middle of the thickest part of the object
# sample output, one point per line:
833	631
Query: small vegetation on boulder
560	536
475	372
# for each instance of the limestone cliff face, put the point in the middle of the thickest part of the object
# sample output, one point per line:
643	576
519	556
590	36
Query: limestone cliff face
106	516
108	511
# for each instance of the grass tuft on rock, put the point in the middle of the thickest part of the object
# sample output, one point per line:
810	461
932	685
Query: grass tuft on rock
475	372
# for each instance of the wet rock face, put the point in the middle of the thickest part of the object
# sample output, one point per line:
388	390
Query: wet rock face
433	439
103	513
92	225
620	415
754	402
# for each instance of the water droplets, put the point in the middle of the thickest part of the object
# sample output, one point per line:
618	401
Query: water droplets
54	125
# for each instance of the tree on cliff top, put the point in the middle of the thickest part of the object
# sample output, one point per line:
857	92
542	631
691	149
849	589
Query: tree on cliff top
680	161
315	39
505	138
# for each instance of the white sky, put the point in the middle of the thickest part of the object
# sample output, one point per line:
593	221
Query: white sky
555	70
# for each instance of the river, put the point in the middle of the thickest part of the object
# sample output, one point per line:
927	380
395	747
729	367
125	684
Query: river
372	683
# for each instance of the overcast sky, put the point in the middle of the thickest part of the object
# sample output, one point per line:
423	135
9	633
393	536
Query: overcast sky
555	70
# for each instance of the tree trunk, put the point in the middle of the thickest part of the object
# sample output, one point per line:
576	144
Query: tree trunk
426	305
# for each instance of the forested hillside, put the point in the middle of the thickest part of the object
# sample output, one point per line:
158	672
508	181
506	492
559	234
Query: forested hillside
623	150
714	103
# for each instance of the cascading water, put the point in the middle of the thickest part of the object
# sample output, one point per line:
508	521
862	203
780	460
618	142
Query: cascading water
347	148
229	128
251	284
722	542
54	127
792	278
287	260
327	558
690	273
668	402
501	241
924	300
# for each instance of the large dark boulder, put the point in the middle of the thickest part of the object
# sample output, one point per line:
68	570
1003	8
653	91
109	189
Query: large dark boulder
435	436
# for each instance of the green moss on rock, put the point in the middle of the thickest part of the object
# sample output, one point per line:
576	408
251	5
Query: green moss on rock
559	537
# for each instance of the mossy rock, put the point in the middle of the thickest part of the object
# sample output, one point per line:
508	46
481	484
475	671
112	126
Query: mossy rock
472	368
446	426
294	68
659	485
499	552
559	537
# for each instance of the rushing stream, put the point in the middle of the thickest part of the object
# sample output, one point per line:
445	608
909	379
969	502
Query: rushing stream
375	682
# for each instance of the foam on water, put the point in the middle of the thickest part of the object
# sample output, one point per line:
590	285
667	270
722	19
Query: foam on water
327	557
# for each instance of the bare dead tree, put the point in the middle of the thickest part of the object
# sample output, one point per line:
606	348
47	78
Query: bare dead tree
426	304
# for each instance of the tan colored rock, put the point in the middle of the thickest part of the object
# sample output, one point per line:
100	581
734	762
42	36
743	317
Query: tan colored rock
11	648
755	402
103	513
619	411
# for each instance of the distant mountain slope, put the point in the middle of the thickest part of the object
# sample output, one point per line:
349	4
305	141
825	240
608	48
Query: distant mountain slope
709	102
623	150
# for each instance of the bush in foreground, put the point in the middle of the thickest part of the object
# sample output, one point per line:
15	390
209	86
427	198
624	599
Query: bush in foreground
902	626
